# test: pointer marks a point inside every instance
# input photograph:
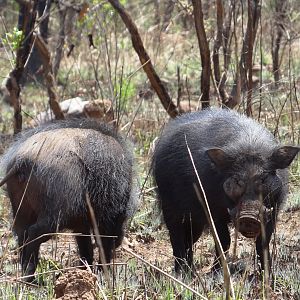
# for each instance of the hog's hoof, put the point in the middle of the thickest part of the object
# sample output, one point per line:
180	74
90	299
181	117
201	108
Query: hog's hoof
183	270
238	267
28	273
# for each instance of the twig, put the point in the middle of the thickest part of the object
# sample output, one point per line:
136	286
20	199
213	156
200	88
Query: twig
98	240
164	273
227	278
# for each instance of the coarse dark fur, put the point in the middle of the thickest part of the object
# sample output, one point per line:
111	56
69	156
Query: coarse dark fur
64	162
238	162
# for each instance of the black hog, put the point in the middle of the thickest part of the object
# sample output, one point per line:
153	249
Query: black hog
243	172
50	172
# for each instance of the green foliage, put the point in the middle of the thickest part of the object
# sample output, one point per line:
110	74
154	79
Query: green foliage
14	38
114	48
125	91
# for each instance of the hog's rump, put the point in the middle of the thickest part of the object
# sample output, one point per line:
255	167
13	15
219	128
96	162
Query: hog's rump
73	158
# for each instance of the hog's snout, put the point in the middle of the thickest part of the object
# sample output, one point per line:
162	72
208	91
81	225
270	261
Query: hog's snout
249	226
247	217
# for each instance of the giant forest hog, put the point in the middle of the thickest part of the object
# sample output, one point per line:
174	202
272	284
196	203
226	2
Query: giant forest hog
243	170
50	172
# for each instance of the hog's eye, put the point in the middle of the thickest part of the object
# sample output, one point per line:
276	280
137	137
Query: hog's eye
237	181
234	187
262	179
259	181
240	182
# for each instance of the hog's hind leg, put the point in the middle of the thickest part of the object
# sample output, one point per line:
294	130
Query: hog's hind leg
182	236
113	234
193	231
37	234
262	245
85	246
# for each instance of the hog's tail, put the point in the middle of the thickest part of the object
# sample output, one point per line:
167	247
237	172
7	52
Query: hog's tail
12	171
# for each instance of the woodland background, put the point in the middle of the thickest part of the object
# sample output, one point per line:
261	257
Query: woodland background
136	64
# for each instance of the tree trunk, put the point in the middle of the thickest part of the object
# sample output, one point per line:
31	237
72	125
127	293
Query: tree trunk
49	78
276	33
204	52
26	23
221	32
156	12
62	12
168	10
33	68
244	79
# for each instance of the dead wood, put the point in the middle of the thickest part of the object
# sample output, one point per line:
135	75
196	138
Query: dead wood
145	60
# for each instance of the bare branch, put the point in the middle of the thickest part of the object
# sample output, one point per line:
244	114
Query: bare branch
145	60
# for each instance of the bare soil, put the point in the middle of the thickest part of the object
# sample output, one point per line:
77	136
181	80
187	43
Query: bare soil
76	284
159	250
156	249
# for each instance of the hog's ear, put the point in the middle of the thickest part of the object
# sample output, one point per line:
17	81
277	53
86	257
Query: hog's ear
282	157
219	157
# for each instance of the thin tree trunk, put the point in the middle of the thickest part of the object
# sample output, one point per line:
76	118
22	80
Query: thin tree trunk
227	38
33	66
249	62
62	11
27	17
220	80
204	52
168	10
218	40
156	12
277	33
245	65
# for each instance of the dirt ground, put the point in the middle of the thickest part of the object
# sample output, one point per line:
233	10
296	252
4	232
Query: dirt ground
157	250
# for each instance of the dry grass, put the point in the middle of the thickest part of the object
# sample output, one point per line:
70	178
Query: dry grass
113	71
